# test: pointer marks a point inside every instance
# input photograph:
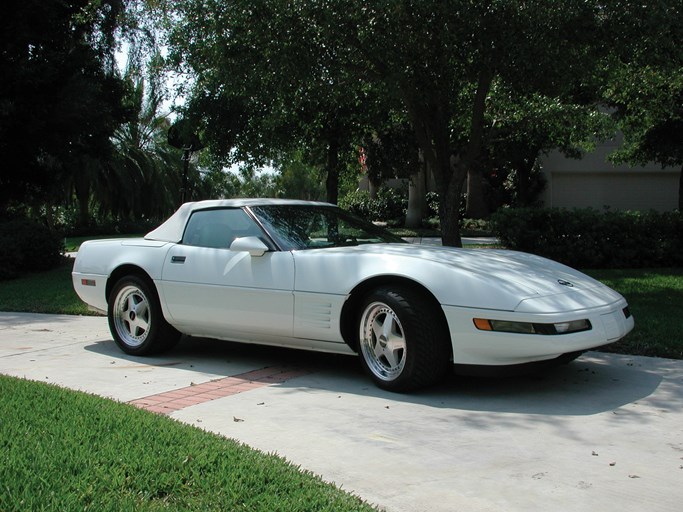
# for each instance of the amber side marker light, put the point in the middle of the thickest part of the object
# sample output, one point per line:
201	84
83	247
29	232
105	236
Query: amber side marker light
482	325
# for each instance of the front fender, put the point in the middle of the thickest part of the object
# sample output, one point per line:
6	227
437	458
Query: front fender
338	272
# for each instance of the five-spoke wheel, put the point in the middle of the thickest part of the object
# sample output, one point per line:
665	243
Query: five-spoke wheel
383	342
131	316
135	318
402	339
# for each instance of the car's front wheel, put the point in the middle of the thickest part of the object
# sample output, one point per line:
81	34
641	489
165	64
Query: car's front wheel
135	318
402	340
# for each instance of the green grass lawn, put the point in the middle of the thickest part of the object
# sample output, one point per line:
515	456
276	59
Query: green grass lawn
66	450
45	292
655	297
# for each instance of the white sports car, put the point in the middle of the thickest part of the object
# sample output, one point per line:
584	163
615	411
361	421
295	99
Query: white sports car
311	276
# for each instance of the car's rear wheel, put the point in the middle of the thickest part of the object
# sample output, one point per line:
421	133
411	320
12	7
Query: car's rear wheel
402	340
135	318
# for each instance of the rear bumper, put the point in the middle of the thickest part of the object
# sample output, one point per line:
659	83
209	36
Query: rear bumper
91	288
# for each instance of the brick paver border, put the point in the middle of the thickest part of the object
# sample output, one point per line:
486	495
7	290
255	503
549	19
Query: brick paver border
177	399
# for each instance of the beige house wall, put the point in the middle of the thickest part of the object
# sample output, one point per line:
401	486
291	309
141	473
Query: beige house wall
595	182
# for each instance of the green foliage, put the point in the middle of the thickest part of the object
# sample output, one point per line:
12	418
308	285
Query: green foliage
256	183
299	180
389	205
654	297
391	153
144	178
649	103
432	201
264	84
66	220
27	246
59	98
587	238
66	450
646	90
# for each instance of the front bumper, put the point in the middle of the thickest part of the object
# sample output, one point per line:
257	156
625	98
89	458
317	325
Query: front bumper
475	347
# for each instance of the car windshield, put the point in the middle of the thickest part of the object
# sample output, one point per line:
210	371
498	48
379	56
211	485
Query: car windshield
296	227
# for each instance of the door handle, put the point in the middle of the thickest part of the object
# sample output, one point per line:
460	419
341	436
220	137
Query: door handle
177	259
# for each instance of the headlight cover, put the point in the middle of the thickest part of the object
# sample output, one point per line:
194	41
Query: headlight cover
485	324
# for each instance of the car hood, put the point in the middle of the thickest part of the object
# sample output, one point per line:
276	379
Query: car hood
487	278
535	274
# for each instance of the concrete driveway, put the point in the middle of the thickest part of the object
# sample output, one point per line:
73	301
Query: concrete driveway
604	433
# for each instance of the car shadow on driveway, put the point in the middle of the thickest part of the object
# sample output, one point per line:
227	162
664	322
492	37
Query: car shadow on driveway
594	383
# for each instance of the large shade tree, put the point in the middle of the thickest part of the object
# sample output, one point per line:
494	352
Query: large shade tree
60	98
263	84
441	60
299	68
272	74
646	90
519	130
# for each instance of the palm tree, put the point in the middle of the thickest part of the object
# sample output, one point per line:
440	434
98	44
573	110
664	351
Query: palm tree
143	178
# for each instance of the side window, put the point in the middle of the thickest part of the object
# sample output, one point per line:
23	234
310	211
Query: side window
219	228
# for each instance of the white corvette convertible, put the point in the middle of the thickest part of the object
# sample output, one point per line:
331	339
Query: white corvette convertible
311	276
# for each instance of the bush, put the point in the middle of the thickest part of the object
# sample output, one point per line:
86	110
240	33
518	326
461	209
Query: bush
587	238
389	205
28	246
432	201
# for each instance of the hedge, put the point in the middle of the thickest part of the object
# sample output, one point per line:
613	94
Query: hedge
28	246
389	205
588	238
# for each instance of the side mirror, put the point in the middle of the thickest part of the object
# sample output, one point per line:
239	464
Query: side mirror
251	244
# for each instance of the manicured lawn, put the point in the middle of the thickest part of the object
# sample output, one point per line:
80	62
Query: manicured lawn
45	292
65	450
655	297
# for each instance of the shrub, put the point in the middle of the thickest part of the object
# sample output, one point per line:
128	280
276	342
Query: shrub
357	202
27	246
587	238
389	205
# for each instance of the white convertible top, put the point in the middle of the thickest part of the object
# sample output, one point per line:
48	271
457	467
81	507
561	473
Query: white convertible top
172	229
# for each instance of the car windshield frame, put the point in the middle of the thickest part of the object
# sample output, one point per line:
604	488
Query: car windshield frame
304	227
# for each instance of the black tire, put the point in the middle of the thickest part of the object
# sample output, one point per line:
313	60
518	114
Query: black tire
135	318
412	350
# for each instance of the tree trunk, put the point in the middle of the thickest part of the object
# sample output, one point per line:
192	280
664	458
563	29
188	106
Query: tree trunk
680	192
522	182
450	221
332	183
476	204
416	199
449	175
82	191
372	188
432	130
465	161
449	209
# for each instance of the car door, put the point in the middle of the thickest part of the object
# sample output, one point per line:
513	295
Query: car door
211	290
